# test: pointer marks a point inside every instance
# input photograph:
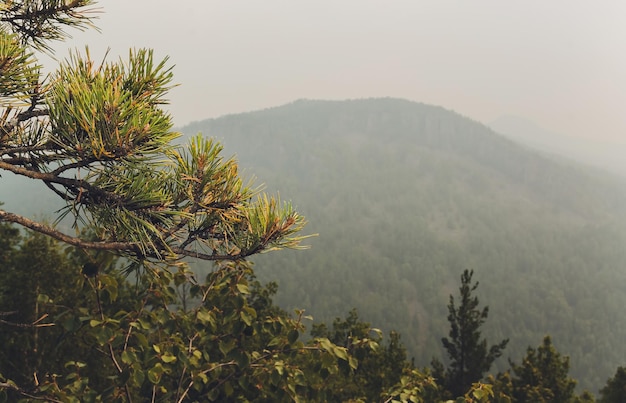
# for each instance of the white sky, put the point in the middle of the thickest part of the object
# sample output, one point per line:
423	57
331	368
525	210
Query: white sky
560	63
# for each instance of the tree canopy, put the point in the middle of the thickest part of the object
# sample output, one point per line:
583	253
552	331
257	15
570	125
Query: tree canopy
615	389
469	355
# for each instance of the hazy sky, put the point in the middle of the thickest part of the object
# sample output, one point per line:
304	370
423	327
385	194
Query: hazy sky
560	63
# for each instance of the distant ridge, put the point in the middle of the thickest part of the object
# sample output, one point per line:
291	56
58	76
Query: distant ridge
601	154
395	122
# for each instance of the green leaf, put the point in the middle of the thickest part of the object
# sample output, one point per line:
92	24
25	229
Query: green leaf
179	278
70	324
111	286
228	389
205	316
243	382
155	373
241	357
141	339
127	357
328	361
76	364
280	367
243	288
203	377
326	344
43	299
138	377
275	341
225	347
293	336
374	346
247	319
275	377
103	335
167	358
479	394
144	325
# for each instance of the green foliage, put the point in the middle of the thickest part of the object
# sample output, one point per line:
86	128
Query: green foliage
479	392
9	239
19	68
615	389
470	358
110	338
585	397
380	365
502	387
543	376
39	22
41	287
163	335
413	386
34	273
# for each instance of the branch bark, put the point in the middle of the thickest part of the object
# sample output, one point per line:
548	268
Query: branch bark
129	247
58	235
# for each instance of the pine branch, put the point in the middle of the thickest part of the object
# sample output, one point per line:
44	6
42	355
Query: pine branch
77	186
133	248
41	21
58	235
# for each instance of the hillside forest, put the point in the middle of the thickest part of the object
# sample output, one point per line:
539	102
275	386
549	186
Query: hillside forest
404	196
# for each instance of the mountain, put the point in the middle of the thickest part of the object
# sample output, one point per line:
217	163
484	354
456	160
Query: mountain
600	154
404	196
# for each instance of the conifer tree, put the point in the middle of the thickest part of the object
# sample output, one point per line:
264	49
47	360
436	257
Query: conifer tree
543	376
615	389
469	356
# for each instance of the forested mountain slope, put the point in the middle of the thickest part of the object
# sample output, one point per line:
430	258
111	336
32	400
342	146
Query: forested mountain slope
405	196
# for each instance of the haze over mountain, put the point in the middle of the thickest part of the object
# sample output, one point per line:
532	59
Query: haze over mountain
602	154
405	196
559	63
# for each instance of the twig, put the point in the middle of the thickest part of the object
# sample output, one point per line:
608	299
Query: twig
111	351
12	386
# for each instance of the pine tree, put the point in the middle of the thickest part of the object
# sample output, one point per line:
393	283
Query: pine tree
615	389
543	376
468	354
